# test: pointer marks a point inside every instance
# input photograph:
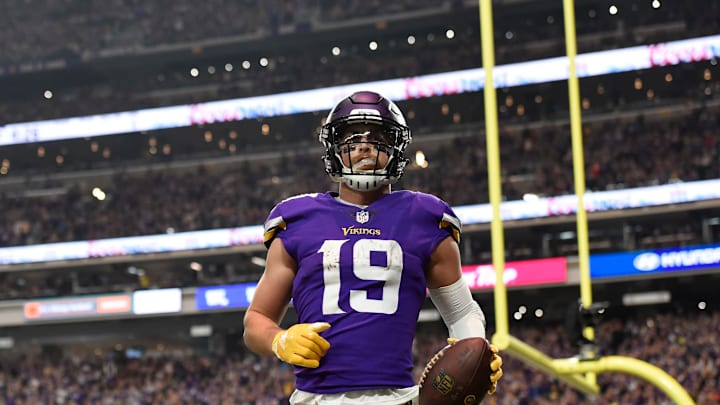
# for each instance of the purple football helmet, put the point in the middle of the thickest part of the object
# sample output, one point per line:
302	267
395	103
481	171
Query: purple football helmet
366	107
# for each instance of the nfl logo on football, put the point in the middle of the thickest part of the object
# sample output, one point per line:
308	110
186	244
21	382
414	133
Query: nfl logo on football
362	216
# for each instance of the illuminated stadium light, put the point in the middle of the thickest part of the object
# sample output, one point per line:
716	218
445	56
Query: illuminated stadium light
420	160
98	193
195	266
613	10
194	72
246	64
656	4
335	50
566	235
522	309
48	94
450	34
539	313
702	305
228	67
373	45
411	39
517	316
264	62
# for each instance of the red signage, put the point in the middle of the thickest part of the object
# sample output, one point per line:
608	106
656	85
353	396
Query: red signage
517	273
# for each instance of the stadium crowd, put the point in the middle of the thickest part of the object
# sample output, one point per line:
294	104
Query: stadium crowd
620	153
531	35
683	344
684	148
86	29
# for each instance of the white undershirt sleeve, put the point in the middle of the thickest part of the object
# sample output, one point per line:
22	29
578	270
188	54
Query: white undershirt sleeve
460	312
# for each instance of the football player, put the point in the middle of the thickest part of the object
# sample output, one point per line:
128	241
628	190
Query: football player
357	264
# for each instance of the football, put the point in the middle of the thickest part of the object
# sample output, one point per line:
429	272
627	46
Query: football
457	374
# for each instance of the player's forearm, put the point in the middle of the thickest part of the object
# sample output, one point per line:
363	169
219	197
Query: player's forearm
459	310
259	332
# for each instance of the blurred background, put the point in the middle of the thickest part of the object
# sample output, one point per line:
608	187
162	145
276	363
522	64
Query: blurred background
131	198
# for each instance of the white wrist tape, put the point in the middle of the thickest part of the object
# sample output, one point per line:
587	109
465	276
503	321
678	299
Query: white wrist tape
460	312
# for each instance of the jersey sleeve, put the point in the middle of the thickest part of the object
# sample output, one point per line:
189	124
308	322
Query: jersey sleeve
442	214
282	214
274	224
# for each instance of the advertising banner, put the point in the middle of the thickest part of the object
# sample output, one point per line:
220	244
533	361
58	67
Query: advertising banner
77	307
518	273
224	296
654	261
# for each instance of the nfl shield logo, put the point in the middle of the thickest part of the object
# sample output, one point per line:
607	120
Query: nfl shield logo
362	216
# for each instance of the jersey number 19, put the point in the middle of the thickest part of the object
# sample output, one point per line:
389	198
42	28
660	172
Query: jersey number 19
390	274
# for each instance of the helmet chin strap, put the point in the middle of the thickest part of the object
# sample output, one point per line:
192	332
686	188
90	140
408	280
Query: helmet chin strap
365	182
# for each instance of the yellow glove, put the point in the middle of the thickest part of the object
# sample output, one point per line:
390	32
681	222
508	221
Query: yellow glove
496	368
301	344
495	365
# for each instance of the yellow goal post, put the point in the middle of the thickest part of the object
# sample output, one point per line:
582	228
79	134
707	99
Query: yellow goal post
578	373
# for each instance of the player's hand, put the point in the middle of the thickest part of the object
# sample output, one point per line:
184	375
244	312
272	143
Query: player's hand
302	344
496	368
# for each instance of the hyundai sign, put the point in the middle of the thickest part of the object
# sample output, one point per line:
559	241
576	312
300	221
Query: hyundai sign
654	261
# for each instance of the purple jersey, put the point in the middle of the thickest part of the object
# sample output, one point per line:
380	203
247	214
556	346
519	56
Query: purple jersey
362	271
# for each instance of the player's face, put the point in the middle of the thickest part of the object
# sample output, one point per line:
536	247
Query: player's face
364	147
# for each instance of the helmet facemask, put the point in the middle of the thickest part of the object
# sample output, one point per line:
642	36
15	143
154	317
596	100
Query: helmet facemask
374	147
365	120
